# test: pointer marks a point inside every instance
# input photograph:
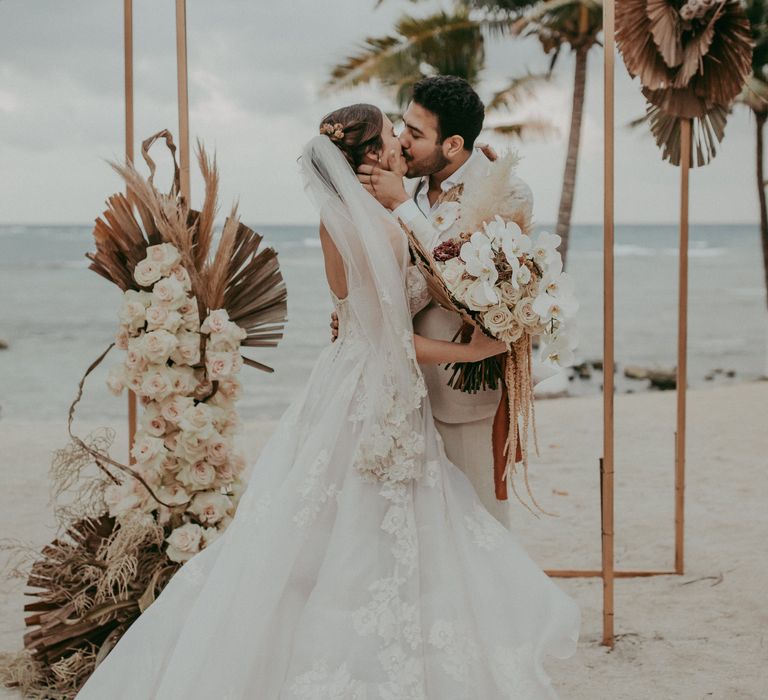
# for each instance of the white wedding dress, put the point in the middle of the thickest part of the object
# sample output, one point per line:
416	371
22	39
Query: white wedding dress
360	564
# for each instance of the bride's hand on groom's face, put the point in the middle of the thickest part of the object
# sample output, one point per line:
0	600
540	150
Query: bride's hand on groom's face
385	182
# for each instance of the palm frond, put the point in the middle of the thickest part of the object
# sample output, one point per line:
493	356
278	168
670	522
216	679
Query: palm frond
450	42
539	128
517	90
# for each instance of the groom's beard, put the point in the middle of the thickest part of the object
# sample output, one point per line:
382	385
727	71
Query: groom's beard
433	163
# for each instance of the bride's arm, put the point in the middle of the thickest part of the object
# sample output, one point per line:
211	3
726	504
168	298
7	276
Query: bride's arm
334	264
432	351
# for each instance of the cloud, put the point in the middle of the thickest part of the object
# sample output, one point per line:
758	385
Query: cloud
256	74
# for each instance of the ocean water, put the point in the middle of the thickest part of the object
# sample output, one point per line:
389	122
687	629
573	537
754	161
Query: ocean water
57	316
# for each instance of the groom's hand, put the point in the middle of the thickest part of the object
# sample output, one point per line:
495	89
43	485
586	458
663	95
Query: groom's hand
386	184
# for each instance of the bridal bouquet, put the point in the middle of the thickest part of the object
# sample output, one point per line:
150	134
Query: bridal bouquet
495	275
513	287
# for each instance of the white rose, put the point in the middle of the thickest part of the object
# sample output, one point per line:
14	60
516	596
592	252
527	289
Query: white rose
510	295
480	295
525	313
165	255
146	448
174	406
124	498
497	319
218	364
184	542
217	450
134	379
216	321
156	383
197	418
190	316
184	380
180	273
210	507
162	317
171	442
169	292
116	380
225	472
452	271
513	332
187	351
157	346
190	446
146	273
198	475
132	311
230	388
122	338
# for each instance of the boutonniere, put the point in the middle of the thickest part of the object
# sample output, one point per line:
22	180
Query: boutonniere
446	215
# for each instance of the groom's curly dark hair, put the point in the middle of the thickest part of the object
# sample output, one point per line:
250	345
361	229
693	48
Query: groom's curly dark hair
459	109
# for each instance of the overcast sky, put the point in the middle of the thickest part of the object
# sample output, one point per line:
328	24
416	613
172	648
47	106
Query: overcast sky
255	75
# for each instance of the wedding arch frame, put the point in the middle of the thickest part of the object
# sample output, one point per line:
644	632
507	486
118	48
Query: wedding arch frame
606	463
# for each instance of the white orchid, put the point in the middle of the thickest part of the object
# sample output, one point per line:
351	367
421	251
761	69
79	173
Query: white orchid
553	308
509	237
445	215
558	285
544	249
477	255
559	348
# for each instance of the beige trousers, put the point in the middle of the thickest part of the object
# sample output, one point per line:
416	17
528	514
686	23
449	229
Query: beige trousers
468	446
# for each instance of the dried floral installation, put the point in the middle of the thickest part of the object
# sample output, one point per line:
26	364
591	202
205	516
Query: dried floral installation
127	529
692	59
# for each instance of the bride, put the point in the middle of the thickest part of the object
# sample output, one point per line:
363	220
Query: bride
360	563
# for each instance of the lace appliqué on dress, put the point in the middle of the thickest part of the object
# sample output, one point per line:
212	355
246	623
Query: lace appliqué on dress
321	684
418	292
487	532
459	651
314	491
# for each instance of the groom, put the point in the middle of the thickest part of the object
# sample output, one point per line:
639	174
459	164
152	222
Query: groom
442	122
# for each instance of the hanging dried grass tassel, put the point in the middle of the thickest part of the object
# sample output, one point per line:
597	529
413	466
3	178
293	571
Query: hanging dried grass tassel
519	381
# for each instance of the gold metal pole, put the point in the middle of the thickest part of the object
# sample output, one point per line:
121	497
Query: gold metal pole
606	463
682	344
181	76
128	70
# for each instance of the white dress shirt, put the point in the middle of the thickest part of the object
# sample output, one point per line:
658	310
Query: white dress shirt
419	204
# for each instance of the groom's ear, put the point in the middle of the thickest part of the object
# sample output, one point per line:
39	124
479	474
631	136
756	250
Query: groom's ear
453	146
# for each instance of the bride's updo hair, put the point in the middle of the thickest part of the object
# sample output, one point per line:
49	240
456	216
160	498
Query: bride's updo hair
361	126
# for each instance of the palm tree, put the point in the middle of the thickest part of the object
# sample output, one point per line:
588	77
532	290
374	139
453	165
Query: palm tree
448	43
453	43
754	96
557	24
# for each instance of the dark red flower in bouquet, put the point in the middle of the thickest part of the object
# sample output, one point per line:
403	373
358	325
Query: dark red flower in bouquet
446	251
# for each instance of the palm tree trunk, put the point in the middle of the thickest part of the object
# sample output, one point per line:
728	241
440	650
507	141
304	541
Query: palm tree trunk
760	120
569	176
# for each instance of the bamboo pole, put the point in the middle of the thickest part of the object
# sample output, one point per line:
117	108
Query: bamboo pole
682	344
606	463
183	96
129	138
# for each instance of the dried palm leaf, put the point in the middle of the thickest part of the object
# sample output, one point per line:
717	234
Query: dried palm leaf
692	63
236	276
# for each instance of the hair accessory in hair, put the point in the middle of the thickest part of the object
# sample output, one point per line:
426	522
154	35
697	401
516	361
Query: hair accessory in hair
334	131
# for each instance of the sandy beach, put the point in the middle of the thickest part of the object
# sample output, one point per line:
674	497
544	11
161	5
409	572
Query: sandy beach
702	635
